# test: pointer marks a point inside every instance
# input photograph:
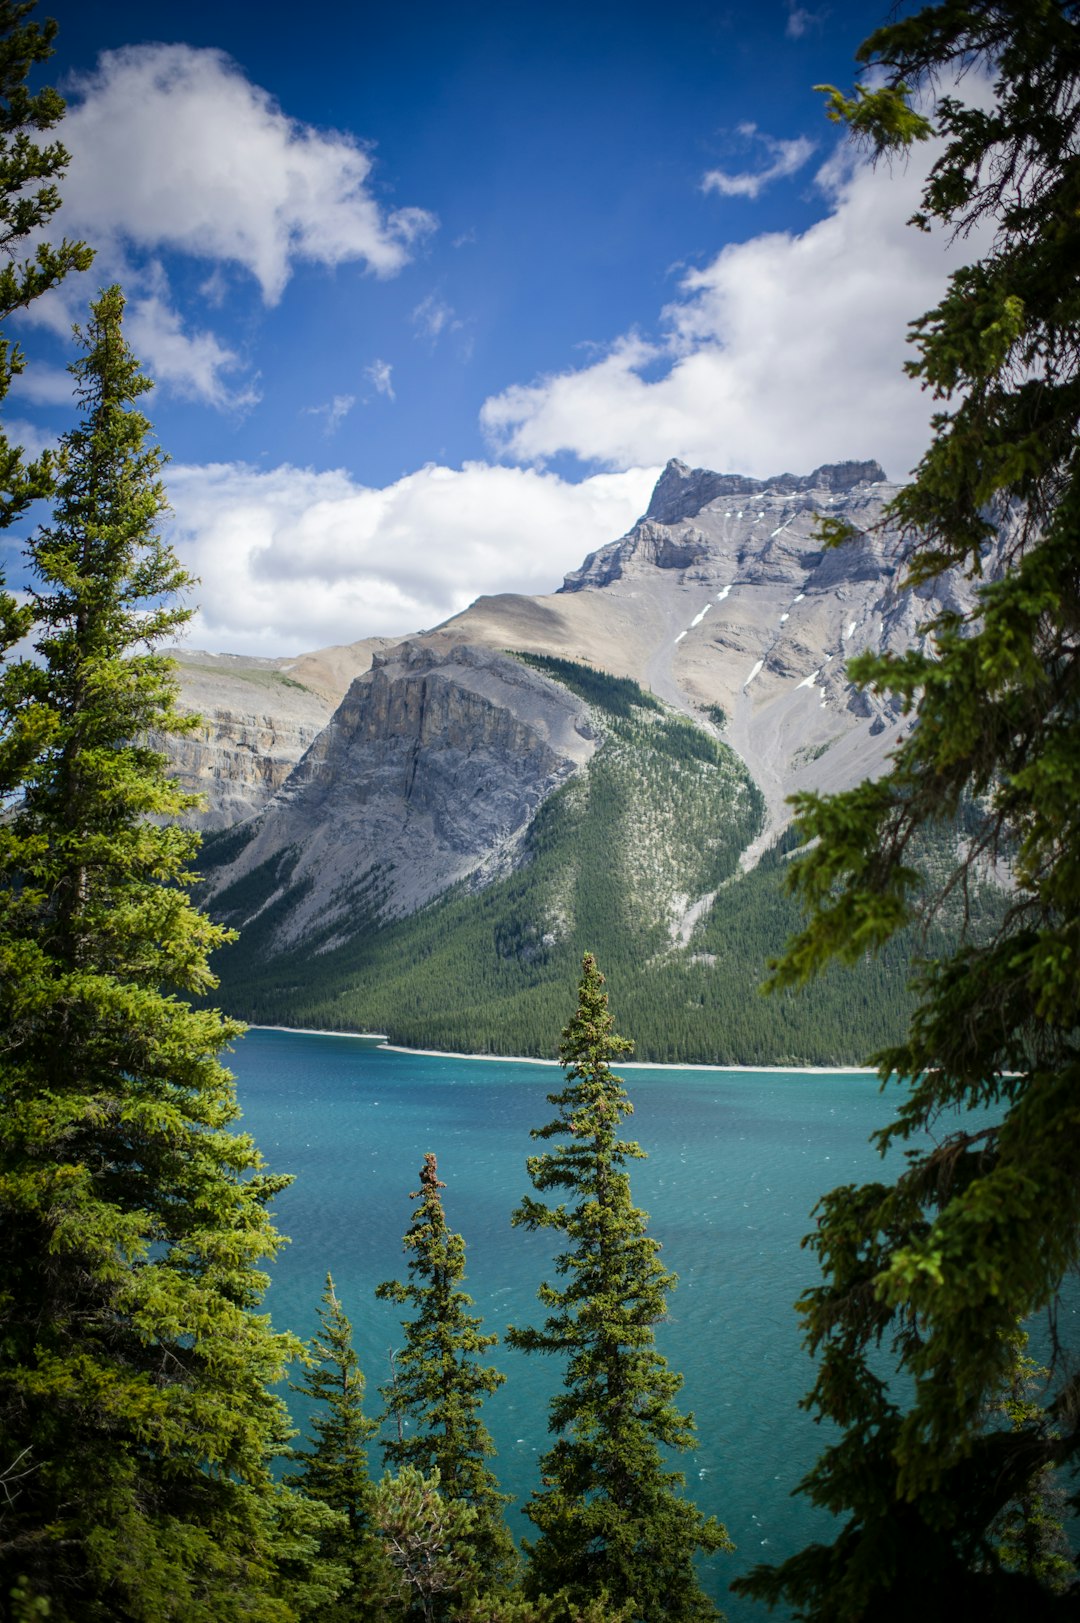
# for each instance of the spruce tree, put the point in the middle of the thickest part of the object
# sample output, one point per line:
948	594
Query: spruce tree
29	198
334	1471
136	1424
439	1386
980	1226
609	1515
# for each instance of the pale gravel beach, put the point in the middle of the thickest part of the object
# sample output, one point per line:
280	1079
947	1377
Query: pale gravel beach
628	1065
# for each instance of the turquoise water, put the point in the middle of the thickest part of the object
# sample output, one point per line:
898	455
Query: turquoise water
736	1161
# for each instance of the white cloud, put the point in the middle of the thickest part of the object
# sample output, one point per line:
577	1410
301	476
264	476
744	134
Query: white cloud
801	21
335	411
291	559
173	147
433	316
44	385
379	373
31	436
783	353
784	158
192	364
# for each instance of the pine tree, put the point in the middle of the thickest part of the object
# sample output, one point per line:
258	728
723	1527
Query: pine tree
334	1471
439	1387
28	200
980	1227
608	1514
135	1419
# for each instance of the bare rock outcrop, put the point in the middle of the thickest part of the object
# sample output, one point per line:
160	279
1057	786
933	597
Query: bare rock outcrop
428	775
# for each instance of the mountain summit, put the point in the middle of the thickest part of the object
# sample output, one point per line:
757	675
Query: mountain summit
501	744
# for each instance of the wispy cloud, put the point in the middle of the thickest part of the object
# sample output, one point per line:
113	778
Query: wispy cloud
195	364
433	317
782	159
334	411
379	375
800	21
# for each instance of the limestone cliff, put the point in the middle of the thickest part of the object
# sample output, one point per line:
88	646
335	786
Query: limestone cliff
721	600
257	718
427	776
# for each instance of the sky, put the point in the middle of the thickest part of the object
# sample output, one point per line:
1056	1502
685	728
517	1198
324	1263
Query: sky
431	293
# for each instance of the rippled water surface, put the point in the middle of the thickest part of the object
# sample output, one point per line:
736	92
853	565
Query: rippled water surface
735	1162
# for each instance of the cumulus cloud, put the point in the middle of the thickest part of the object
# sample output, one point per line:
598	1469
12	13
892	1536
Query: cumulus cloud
173	147
291	559
174	151
783	352
44	385
782	159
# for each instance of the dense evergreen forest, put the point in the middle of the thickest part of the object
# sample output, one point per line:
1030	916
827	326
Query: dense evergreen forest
148	1471
663	808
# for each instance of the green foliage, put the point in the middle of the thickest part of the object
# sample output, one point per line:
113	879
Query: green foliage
134	1367
978	1231
1030	1530
334	1473
28	200
608	1515
616	695
439	1388
429	1540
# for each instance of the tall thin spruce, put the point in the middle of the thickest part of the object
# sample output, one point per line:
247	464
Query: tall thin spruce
609	1516
439	1386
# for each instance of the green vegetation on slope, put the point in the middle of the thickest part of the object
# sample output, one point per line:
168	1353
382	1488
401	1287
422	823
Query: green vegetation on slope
613	862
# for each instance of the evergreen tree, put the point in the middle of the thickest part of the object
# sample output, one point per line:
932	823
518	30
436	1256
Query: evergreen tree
439	1387
136	1425
28	200
1031	1529
981	1225
429	1539
608	1513
335	1471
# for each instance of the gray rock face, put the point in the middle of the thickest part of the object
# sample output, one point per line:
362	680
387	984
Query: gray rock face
682	492
428	775
721	600
257	717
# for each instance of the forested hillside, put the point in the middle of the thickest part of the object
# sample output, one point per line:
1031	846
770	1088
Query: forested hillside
660	816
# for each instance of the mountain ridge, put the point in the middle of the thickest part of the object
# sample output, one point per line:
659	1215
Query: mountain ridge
452	780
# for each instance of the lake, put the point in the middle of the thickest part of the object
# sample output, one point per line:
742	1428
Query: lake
735	1163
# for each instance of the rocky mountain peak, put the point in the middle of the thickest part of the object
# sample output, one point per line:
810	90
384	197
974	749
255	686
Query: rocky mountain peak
682	492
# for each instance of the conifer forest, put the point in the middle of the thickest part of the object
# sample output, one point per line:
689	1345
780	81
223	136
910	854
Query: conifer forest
149	1469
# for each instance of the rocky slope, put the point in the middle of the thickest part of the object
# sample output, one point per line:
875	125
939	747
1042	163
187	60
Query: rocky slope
257	718
427	776
720	601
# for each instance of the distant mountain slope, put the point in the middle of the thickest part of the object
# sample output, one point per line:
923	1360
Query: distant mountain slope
466	821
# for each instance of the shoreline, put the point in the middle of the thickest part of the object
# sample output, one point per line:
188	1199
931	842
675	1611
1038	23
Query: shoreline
531	1059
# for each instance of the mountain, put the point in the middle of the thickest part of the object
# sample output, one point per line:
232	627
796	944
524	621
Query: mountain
605	767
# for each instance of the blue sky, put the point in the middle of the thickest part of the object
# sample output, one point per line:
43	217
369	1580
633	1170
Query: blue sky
432	292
